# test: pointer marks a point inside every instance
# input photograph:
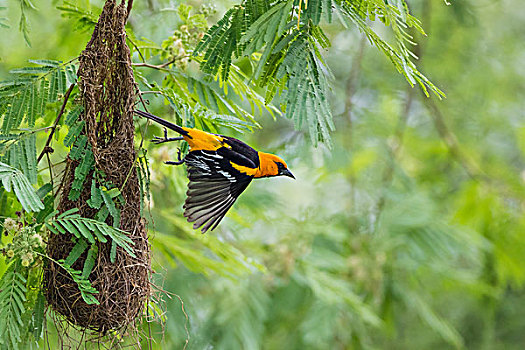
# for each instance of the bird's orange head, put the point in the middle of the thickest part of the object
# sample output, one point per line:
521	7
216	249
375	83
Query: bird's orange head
272	165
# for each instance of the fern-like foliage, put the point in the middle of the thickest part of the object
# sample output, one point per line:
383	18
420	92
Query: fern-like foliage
81	278
221	41
12	298
25	5
14	179
80	151
305	97
85	231
224	39
81	173
286	37
20	152
88	229
87	291
399	19
109	197
197	115
266	30
208	97
84	19
205	97
24	97
291	64
23	100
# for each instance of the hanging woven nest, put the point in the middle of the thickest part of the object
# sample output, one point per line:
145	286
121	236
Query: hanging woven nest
108	90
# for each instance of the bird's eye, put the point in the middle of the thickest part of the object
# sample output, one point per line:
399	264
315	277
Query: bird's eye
280	166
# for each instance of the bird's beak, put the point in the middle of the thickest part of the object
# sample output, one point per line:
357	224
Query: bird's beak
288	173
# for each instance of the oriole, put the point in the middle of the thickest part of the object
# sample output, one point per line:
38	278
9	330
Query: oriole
219	169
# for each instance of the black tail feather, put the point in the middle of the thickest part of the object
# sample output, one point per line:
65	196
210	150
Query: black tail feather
162	122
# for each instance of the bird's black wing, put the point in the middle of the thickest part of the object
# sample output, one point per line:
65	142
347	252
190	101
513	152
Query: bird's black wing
214	185
242	152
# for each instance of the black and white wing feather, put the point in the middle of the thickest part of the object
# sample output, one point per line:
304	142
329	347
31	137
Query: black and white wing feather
213	188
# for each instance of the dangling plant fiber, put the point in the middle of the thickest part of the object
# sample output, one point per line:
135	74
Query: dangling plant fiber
101	181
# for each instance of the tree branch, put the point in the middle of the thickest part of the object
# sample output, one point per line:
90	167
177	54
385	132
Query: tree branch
48	149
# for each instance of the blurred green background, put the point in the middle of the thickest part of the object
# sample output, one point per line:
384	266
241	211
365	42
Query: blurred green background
408	234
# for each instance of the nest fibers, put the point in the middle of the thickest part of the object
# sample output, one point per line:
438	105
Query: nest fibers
108	90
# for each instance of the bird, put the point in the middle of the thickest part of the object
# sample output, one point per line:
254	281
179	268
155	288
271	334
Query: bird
219	169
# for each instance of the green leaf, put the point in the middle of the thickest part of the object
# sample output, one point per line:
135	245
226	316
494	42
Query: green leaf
42	97
33	103
81	172
25	193
75	253
37	324
62	80
71	75
90	261
73	133
84	285
113	252
47	63
69	212
30	70
14	113
12	298
96	196
29	144
79	148
53	87
44	190
73	115
110	204
184	11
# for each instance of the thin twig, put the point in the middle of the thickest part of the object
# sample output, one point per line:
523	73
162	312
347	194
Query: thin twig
187	340
57	120
143	132
151	92
138	50
50	171
128	9
53	165
160	66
